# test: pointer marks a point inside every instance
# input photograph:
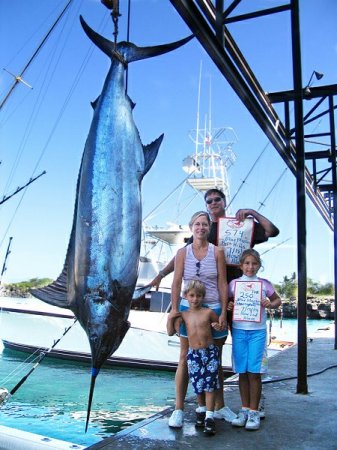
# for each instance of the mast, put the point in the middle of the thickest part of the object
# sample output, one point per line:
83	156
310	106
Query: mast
213	156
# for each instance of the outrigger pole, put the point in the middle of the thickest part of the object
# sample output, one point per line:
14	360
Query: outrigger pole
5	395
4	268
31	180
18	78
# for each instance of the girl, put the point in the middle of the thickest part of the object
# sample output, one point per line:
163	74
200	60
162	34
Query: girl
248	340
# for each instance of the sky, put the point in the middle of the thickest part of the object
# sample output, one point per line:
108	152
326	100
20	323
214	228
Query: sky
45	128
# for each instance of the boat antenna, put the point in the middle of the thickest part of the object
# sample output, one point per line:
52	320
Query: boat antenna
18	78
4	267
5	394
18	189
198	112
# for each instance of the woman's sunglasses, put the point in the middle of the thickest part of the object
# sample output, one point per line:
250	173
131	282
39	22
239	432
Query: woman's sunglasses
198	264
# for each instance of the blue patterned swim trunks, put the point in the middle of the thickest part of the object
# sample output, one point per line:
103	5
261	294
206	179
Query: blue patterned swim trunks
203	365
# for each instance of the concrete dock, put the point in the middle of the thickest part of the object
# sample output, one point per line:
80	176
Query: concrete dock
293	421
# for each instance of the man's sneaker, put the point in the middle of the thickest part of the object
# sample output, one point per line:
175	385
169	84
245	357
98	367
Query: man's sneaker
225	413
262	412
200	420
177	418
209	427
241	419
253	422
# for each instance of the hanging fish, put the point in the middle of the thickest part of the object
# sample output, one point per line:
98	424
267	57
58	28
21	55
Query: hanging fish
100	272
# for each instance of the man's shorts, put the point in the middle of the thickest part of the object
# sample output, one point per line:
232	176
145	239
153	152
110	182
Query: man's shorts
248	348
203	365
184	306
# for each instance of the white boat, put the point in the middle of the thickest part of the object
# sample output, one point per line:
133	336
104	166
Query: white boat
29	325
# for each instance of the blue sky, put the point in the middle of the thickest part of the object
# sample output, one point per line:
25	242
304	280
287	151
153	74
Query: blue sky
45	128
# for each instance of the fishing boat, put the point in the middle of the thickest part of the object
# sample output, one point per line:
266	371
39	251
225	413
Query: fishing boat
31	326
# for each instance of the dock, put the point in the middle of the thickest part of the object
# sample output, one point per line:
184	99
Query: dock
293	421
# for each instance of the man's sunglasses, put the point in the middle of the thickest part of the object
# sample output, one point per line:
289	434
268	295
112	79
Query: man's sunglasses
214	199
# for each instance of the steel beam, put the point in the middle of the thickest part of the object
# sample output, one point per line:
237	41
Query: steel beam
202	18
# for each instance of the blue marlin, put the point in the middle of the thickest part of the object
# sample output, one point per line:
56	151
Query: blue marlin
101	267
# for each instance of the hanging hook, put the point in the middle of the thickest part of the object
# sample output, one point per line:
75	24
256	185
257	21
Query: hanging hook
113	5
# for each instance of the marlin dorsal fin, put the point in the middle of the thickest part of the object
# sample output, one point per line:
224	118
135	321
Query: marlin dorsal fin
150	153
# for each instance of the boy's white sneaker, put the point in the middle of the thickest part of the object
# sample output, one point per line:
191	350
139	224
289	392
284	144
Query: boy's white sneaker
241	419
225	413
253	422
177	418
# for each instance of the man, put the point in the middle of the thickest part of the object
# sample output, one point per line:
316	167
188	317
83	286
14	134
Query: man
263	229
216	203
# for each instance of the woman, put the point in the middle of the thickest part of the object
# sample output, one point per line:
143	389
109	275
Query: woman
205	262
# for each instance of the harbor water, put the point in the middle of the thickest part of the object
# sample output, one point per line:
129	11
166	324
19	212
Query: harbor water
53	400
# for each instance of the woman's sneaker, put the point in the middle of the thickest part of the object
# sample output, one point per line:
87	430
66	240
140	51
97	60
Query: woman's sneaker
177	418
253	422
241	418
209	427
200	420
225	413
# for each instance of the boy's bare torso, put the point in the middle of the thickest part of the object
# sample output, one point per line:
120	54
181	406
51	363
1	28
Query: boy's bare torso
198	323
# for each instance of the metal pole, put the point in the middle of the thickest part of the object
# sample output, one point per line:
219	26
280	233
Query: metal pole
334	201
302	386
4	267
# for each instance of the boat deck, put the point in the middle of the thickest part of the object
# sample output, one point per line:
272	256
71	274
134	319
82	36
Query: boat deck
306	422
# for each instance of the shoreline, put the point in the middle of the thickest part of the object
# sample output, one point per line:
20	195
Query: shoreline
318	308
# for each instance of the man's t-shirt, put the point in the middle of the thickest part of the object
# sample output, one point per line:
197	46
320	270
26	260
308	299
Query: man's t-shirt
259	236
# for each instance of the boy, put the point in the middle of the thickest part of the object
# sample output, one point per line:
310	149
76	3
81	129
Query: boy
203	355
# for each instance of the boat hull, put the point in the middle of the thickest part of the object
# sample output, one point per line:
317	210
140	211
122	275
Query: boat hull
31	326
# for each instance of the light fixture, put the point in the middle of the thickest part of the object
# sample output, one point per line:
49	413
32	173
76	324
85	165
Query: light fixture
190	165
318	76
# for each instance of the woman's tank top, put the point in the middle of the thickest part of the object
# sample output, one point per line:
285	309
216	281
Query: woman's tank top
204	271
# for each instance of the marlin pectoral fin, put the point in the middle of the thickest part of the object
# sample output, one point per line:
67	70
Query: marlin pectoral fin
150	153
138	293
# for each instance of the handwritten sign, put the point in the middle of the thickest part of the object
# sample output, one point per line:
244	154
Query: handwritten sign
235	237
247	301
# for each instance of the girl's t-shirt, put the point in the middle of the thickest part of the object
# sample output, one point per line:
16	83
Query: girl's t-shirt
267	291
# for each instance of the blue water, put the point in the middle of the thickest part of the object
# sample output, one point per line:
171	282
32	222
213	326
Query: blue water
53	400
